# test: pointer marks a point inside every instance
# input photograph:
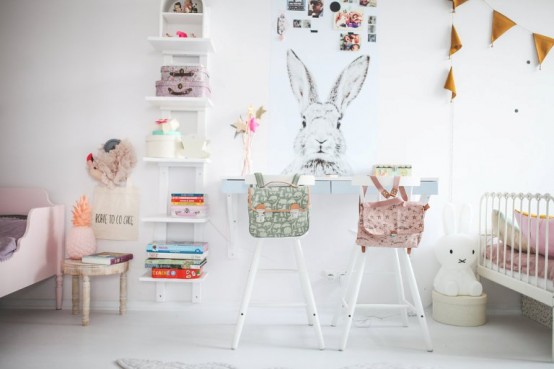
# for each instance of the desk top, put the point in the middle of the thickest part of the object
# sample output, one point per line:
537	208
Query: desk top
333	186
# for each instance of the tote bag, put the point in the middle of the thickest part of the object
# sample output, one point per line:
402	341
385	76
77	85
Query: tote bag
115	214
392	222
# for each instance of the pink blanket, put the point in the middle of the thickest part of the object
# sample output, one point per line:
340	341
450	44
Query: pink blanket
526	264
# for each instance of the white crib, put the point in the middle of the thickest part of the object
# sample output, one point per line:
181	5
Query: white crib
517	244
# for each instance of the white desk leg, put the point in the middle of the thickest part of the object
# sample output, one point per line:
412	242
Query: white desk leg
232	223
401	293
308	293
405	259
352	301
247	293
347	285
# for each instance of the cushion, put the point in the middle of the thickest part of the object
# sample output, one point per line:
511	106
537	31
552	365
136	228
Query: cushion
538	241
500	225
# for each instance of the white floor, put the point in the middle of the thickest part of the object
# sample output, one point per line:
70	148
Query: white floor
55	339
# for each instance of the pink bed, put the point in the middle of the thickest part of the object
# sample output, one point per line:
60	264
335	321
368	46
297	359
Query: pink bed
39	250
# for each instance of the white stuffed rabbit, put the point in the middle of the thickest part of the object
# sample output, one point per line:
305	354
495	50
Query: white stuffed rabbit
320	146
457	253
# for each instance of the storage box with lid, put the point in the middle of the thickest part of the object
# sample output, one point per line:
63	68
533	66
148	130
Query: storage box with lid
463	311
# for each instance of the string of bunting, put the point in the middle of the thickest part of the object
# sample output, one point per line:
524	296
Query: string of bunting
500	25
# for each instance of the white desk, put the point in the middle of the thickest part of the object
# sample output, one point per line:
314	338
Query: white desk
234	186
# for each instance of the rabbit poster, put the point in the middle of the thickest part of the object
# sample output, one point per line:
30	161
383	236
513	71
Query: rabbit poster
323	99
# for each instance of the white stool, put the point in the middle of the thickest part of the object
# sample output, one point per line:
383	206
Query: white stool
403	273
311	310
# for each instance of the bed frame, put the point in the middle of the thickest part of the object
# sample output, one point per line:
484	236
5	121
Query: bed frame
525	282
40	250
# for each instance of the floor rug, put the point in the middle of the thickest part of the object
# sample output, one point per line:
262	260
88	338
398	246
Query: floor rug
155	364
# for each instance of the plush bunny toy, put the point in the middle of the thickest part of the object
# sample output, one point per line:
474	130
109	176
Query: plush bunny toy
457	252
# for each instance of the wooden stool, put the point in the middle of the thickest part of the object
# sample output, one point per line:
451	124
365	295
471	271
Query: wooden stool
78	269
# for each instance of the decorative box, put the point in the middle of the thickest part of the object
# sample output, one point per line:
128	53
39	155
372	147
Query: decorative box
163	146
182	89
188	211
185	73
462	311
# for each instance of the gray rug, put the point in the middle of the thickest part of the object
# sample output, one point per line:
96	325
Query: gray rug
155	364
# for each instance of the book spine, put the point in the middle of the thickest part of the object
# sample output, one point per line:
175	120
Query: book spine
187	199
175	273
172	255
187	203
187	195
177	262
106	261
176	249
174	266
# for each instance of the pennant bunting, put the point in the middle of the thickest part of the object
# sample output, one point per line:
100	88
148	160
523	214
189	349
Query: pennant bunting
457	3
450	85
455	43
500	24
543	44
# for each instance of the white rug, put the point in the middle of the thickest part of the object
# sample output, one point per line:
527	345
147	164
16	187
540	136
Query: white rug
155	364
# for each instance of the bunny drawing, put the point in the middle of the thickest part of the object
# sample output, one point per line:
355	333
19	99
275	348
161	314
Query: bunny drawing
319	146
457	253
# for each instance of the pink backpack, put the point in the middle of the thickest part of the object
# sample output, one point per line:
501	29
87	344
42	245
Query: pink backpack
392	222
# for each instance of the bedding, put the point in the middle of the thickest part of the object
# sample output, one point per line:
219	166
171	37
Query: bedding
12	228
525	265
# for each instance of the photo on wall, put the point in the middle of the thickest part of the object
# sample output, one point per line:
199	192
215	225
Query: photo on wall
323	100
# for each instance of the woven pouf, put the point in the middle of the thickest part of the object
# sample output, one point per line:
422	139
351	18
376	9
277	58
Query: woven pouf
463	311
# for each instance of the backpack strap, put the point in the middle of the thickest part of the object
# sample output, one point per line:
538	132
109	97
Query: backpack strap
386	194
295	179
259	179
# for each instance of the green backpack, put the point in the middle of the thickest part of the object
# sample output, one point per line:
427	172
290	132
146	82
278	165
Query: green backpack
278	209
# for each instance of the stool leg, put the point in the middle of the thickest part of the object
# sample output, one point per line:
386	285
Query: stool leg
86	299
308	293
401	293
123	293
247	294
75	295
417	299
351	303
346	287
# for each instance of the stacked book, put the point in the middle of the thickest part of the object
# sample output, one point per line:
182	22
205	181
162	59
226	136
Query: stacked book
176	259
107	258
187	205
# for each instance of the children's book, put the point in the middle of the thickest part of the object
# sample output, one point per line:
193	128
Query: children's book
175	263
181	247
176	273
174	255
107	258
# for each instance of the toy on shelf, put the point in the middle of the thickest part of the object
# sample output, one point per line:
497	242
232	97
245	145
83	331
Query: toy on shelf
113	163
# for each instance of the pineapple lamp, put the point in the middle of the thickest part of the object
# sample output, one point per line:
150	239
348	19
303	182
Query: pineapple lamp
80	239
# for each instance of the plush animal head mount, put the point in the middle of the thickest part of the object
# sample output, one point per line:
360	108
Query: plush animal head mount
113	163
457	253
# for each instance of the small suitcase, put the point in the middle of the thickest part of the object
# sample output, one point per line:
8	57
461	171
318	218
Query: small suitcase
182	89
184	73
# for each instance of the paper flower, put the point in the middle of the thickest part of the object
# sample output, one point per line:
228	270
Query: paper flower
247	127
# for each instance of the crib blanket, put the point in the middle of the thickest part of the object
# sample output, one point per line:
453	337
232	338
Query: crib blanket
526	264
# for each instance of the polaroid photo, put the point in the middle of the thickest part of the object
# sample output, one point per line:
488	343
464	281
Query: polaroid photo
349	41
297	23
296	5
315	8
348	19
372	38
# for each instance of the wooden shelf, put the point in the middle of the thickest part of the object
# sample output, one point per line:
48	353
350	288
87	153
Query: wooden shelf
180	103
182	46
169	219
176	162
183	18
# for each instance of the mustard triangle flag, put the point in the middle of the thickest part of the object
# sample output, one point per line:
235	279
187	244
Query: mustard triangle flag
450	85
455	43
500	24
543	44
457	3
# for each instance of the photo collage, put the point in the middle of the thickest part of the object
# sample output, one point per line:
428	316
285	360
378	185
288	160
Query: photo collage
348	17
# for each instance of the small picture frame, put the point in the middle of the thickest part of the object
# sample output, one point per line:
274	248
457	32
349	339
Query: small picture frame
177	7
315	9
297	23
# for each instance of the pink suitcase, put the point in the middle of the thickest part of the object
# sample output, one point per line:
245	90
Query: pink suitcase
185	73
182	89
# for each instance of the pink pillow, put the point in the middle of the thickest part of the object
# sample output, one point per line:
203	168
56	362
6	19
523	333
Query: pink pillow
528	225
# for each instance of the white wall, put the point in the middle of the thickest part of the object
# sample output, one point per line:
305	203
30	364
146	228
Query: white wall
75	73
